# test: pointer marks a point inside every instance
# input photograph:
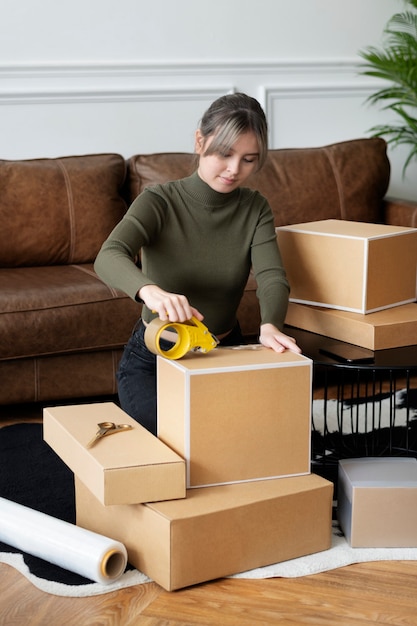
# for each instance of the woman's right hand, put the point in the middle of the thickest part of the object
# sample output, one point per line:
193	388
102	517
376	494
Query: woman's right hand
170	307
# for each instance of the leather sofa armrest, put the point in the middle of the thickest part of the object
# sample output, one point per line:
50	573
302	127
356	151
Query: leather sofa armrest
400	212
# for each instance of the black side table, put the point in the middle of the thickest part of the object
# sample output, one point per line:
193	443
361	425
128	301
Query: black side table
367	408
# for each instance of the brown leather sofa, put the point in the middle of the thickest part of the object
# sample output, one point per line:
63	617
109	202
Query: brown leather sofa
62	330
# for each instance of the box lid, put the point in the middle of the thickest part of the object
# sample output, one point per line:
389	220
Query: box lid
130	466
208	500
130	448
347	228
238	358
383	472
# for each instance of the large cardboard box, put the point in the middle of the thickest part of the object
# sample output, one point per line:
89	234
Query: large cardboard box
377	502
353	266
130	466
217	531
390	328
237	414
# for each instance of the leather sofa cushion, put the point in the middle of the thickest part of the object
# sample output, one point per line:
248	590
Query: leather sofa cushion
150	169
345	180
54	378
58	211
61	310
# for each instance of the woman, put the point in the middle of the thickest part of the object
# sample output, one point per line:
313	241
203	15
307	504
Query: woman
199	237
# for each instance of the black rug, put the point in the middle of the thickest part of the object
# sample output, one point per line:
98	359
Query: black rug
33	475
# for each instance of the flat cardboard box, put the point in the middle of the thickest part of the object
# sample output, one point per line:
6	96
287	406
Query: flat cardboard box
391	328
217	531
377	502
352	266
128	467
237	414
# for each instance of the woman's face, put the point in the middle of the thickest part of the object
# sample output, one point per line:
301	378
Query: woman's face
225	172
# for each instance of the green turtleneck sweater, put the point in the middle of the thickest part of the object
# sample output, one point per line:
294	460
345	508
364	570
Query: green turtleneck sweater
200	243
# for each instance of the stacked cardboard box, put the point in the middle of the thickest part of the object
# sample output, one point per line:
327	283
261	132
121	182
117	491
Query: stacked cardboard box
356	283
377	502
131	466
239	422
352	281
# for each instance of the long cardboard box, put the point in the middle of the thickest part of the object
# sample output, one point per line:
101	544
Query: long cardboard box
130	466
377	502
391	328
237	414
217	531
353	266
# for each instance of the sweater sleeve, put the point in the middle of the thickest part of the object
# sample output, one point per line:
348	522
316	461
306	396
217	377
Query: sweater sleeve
115	263
272	284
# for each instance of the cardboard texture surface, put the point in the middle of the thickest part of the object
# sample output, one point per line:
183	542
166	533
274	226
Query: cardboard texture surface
217	531
352	266
377	502
127	467
237	414
390	328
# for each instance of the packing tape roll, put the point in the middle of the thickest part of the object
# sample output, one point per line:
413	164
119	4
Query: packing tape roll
191	335
82	551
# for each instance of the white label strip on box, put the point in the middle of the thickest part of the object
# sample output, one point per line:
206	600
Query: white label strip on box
73	548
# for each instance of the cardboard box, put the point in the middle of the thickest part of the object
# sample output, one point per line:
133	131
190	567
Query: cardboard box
377	502
390	328
237	414
217	531
353	266
130	466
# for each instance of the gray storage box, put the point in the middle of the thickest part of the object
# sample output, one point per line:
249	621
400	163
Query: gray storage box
377	502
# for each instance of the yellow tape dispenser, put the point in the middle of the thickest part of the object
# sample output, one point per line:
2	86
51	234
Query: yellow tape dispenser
190	335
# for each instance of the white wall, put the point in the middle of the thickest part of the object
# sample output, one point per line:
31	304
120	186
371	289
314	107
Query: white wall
135	76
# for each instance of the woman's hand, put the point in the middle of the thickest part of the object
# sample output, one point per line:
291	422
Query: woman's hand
271	337
171	307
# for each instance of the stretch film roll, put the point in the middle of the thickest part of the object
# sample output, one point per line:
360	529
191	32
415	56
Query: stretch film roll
76	549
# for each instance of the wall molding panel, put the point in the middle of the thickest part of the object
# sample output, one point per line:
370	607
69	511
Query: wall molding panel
169	68
98	95
58	109
316	106
57	82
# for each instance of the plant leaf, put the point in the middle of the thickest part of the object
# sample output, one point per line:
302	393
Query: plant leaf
396	63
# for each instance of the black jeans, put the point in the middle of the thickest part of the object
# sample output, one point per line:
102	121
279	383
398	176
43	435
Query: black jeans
136	376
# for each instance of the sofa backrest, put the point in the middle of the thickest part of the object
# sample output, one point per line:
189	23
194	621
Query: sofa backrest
58	211
149	169
345	180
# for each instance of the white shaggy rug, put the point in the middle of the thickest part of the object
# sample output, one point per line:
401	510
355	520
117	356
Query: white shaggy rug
339	555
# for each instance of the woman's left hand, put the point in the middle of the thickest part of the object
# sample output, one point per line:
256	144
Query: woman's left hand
271	337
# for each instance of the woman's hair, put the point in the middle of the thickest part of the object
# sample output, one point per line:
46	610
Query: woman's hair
228	117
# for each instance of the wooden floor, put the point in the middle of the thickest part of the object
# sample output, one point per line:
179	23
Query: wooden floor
368	593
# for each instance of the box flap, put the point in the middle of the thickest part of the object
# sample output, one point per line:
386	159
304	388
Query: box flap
235	358
227	497
379	472
121	450
347	228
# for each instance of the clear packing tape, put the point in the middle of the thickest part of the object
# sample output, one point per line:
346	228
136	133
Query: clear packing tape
191	335
73	548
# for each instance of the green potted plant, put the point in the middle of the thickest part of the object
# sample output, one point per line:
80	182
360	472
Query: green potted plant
396	63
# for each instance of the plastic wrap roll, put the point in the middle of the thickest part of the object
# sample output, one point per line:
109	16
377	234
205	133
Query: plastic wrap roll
76	549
